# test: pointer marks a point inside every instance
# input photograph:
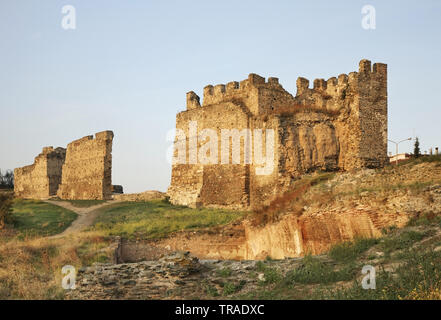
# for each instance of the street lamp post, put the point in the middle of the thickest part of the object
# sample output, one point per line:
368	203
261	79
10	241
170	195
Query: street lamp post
396	148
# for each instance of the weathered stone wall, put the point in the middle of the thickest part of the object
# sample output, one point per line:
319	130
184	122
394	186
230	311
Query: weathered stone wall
339	124
87	171
41	179
142	196
83	171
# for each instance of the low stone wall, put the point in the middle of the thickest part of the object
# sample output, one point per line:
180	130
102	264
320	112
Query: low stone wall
143	196
144	280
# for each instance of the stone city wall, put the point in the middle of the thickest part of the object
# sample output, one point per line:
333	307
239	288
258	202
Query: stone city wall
83	171
87	171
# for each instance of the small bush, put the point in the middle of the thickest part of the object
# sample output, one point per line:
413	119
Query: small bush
211	290
272	275
230	288
5	209
224	272
7	179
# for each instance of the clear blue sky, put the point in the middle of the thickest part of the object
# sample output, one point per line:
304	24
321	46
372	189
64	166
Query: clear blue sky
128	65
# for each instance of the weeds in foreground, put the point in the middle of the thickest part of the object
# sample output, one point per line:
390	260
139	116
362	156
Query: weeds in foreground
32	269
418	277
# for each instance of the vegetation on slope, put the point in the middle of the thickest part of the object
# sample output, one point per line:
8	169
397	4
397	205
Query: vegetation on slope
404	188
31	269
158	218
407	263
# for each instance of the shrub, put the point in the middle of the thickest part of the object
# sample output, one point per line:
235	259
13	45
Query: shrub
272	275
230	288
5	209
7	179
224	272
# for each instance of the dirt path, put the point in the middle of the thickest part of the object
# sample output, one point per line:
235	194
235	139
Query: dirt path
86	215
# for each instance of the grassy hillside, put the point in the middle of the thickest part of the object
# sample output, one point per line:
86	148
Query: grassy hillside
158	218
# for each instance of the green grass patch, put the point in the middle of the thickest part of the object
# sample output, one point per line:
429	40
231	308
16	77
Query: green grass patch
37	218
224	272
230	287
211	290
158	218
350	251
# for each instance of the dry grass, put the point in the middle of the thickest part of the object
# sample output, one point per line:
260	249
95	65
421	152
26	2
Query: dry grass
32	269
434	293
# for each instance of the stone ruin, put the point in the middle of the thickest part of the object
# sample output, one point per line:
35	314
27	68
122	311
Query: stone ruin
339	124
83	171
41	179
87	170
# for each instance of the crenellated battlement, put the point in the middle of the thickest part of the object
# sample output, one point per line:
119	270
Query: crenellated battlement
354	79
246	90
263	96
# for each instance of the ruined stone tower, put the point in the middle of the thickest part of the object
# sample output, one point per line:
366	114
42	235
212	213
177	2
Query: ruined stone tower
339	124
87	171
40	179
82	172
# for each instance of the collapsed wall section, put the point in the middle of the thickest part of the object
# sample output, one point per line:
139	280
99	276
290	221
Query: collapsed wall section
41	179
87	171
